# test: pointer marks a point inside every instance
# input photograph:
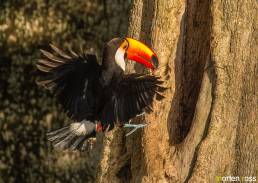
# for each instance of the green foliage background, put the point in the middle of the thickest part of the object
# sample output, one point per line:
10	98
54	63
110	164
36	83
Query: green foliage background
27	112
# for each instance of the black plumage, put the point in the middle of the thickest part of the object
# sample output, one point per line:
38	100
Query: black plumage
92	93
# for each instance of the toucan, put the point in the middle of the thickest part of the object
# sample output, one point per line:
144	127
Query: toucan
98	97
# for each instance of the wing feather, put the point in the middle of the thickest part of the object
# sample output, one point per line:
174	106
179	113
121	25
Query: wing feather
134	94
72	78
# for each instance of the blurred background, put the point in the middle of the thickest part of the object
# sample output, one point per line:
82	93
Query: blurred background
27	111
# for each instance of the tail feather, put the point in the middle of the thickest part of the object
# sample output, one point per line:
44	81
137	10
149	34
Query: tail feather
78	143
72	137
66	142
58	134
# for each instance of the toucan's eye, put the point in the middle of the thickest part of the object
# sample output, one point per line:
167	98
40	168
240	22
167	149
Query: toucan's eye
125	46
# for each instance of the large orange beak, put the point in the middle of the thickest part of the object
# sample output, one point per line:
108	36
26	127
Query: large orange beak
142	54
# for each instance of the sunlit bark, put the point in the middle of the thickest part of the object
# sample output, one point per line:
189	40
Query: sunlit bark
206	125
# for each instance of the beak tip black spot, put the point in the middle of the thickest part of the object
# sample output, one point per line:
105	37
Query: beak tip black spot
155	61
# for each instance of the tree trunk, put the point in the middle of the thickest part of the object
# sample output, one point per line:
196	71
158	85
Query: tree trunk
206	126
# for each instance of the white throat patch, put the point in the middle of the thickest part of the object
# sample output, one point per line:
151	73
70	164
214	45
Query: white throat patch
119	58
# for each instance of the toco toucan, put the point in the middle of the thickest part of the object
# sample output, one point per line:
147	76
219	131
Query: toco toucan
97	97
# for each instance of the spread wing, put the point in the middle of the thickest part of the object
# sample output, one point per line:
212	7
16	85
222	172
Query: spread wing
132	96
72	78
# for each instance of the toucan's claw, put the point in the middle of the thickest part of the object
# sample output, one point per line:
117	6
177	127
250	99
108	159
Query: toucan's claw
135	126
105	133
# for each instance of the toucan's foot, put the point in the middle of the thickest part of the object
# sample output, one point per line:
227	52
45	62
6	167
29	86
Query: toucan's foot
105	133
134	126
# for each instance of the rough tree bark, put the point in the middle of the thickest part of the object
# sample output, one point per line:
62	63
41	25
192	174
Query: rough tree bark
207	125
